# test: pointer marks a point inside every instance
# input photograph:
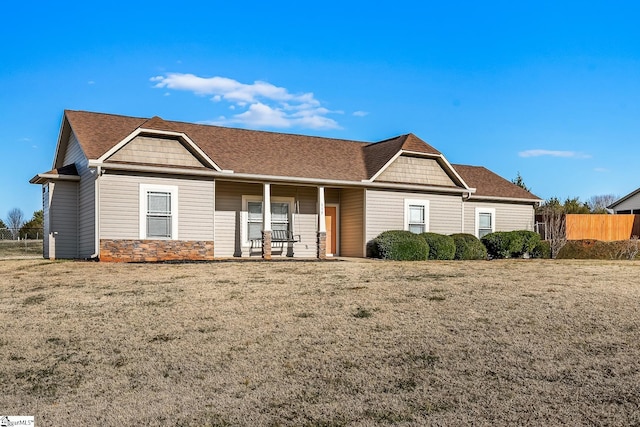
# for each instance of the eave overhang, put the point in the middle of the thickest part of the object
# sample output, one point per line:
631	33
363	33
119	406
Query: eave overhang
505	199
247	177
43	178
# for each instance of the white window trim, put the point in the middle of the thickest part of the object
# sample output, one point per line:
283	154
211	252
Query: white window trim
173	190
491	211
244	215
416	202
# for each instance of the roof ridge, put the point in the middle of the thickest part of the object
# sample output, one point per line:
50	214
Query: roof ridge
208	125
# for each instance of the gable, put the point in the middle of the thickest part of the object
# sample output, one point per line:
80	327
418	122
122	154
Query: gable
630	203
416	170
157	151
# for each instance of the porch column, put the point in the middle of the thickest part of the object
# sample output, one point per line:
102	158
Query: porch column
322	226
266	222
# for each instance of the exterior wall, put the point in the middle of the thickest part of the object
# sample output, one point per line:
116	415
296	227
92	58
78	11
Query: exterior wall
120	206
385	211
416	170
351	223
630	205
162	151
63	220
509	216
229	216
86	197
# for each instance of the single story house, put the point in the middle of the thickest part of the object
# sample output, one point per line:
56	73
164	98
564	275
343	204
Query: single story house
629	204
137	189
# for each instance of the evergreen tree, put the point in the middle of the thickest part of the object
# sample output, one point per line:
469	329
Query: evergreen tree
520	182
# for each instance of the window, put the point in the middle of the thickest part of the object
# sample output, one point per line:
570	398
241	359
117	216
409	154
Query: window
416	215
485	221
158	212
254	220
280	215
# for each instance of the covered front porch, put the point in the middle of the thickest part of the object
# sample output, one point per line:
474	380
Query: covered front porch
272	220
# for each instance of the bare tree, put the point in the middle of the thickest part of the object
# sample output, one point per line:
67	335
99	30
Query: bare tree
599	203
555	225
15	219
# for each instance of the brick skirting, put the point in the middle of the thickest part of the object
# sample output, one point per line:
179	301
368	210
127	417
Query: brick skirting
155	250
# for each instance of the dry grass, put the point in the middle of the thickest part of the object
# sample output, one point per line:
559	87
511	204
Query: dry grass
20	248
321	344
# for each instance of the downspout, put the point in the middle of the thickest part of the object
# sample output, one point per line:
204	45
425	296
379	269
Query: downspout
96	190
465	197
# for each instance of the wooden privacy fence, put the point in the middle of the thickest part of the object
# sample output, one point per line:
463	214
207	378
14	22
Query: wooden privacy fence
602	227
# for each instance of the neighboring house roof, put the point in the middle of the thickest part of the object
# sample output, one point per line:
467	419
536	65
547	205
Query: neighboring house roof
279	154
622	199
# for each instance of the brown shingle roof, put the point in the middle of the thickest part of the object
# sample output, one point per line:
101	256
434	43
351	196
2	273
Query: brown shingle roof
97	132
489	184
279	154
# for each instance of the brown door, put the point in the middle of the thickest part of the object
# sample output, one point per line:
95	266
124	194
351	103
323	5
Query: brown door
331	221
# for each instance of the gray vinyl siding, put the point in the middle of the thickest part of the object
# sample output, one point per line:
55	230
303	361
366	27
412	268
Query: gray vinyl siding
120	206
163	151
509	216
631	204
351	223
229	224
415	170
63	220
86	197
385	211
227	216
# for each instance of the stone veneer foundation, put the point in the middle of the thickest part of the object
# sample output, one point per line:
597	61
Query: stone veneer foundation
155	250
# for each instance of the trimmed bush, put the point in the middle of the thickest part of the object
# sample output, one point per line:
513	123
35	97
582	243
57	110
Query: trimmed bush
596	249
510	244
468	246
399	245
542	249
440	246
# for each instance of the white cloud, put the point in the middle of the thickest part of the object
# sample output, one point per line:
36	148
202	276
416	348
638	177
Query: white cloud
360	113
602	170
554	153
263	104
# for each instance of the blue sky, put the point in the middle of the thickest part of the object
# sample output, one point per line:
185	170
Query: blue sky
547	89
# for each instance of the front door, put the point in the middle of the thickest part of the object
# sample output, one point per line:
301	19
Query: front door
331	221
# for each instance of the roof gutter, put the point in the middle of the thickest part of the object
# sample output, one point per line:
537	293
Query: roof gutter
506	199
232	176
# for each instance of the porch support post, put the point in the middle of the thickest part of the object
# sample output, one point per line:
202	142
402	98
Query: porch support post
266	222
322	226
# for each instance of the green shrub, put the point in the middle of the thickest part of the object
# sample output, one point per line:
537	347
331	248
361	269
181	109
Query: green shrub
510	244
596	249
497	244
542	249
468	246
399	245
440	246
